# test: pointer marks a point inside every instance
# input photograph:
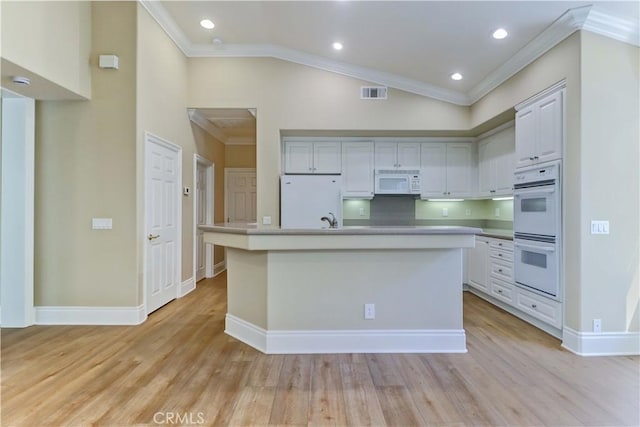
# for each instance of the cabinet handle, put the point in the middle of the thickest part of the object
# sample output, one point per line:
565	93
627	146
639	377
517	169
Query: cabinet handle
499	270
492	191
499	244
532	158
499	254
536	157
499	291
533	306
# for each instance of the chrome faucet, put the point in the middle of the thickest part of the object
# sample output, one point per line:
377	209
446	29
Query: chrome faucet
333	222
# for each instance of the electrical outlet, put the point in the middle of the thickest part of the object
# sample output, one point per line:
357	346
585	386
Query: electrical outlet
369	311
467	212
445	211
597	325
266	220
497	212
361	211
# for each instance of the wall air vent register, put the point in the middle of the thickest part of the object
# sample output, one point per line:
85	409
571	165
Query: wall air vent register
373	92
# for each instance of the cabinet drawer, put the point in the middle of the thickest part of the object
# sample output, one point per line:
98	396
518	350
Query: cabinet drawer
502	270
545	309
502	290
501	254
506	245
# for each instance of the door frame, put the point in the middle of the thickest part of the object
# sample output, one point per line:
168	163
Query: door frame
200	160
227	173
150	138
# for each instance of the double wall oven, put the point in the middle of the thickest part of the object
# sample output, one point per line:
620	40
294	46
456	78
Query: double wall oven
537	225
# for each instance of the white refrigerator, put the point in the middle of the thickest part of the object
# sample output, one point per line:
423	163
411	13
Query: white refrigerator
304	199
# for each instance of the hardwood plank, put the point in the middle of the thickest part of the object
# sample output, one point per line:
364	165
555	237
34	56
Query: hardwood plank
180	361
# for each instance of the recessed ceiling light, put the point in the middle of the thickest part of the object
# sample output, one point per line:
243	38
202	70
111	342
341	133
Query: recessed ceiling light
456	76
499	34
337	46
207	23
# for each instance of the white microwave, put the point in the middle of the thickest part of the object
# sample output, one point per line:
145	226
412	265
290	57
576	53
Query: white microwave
397	181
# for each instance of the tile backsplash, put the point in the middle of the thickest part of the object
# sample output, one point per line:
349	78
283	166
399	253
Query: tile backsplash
406	210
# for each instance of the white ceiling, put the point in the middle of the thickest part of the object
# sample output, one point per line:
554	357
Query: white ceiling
410	45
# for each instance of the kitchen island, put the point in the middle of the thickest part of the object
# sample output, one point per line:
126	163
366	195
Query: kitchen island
305	290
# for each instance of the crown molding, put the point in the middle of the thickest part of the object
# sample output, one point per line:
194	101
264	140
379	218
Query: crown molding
240	140
196	117
613	27
582	18
561	28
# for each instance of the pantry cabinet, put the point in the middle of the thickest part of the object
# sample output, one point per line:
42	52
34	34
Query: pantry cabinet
397	155
447	169
312	157
496	153
540	126
357	170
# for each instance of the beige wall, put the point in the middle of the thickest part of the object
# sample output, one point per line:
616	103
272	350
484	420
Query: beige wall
610	183
291	96
85	168
57	43
212	149
240	156
162	111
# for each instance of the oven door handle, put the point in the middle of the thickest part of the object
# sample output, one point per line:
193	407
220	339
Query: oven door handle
528	191
539	248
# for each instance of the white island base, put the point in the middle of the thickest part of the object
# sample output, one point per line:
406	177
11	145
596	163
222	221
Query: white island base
302	291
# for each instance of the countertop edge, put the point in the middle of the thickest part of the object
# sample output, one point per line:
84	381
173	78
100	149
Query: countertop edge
346	231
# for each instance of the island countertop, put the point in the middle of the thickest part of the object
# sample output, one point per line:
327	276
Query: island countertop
253	229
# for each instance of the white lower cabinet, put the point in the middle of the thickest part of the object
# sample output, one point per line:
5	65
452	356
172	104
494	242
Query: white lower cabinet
490	271
545	309
478	265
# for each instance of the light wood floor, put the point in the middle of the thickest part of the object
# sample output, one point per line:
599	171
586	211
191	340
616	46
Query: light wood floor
180	368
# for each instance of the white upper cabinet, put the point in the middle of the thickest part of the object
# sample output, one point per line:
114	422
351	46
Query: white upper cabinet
393	155
447	169
357	170
496	153
312	157
540	128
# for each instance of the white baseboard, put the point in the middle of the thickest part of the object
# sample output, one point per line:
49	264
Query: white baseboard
46	315
347	341
219	268
187	286
601	343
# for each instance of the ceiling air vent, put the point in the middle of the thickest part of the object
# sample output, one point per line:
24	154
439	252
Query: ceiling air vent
373	92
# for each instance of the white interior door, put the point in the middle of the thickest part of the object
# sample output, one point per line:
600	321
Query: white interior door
162	215
204	215
240	193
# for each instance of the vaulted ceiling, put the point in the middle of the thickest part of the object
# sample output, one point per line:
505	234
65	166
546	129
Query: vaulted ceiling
409	45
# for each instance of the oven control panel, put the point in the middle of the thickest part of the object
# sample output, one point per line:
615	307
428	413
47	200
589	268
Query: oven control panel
538	173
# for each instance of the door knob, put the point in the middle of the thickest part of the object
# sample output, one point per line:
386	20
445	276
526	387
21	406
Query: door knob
152	236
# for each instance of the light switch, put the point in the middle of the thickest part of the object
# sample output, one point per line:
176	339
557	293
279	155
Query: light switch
445	211
599	227
102	223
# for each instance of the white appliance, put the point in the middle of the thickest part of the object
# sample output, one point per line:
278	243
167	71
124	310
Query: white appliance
537	229
305	199
397	181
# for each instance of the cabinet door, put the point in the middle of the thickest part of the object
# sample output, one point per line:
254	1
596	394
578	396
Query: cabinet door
459	169
478	265
549	127
357	169
504	164
433	170
486	168
385	155
408	155
326	157
298	157
525	136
